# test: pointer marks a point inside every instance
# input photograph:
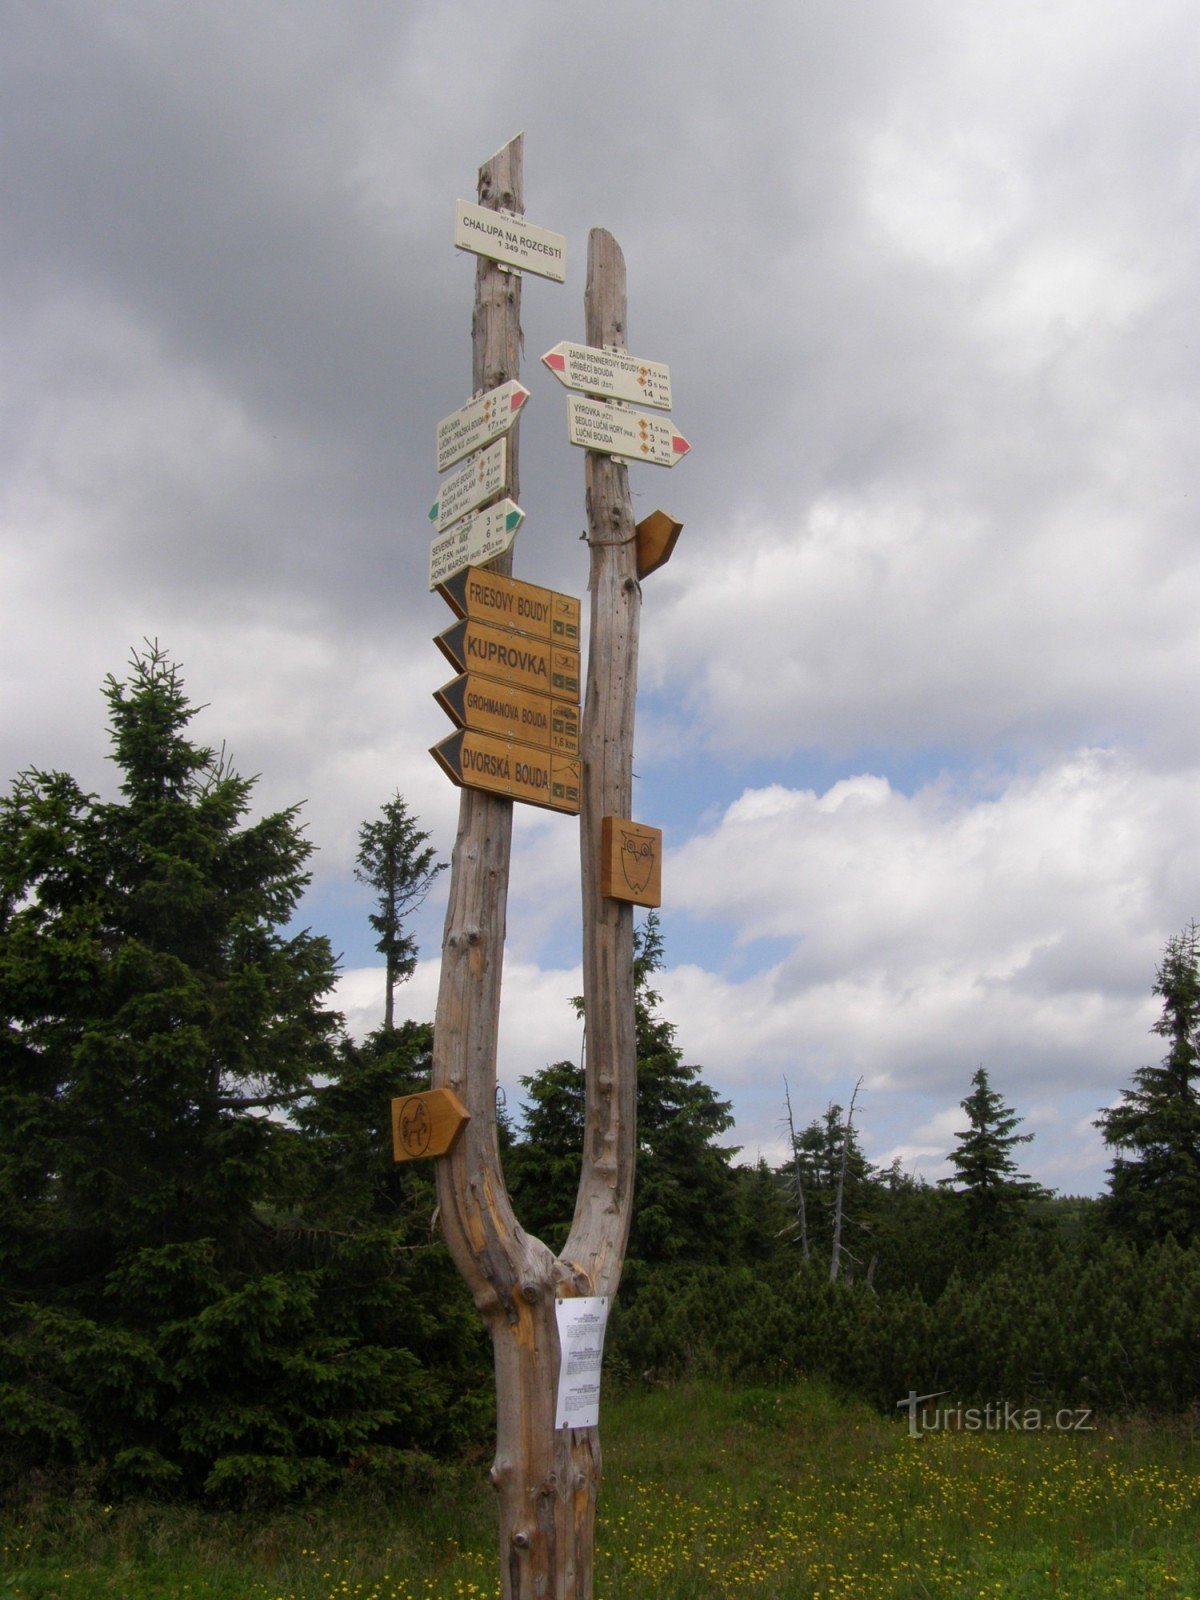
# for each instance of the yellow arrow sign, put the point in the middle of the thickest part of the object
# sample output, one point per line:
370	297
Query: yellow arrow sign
502	766
517	658
510	603
490	706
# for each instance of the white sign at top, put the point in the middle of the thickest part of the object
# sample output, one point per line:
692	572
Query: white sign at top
611	373
510	240
478	422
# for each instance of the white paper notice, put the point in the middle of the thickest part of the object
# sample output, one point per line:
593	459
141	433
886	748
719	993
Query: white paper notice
581	1324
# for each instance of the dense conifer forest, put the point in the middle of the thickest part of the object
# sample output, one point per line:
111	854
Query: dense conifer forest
216	1283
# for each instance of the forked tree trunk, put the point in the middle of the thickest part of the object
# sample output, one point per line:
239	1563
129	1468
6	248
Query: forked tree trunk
546	1480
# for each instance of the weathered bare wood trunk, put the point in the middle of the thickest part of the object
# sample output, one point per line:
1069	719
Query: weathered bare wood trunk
546	1481
835	1259
596	1245
595	1248
797	1175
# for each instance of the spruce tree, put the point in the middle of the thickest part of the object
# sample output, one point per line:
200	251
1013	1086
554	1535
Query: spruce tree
1155	1130
164	1317
154	1007
542	1167
684	1205
995	1194
396	861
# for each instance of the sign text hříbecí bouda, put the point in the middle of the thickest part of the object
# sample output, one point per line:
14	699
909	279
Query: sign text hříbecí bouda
611	373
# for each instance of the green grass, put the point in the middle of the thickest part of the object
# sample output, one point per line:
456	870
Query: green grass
708	1492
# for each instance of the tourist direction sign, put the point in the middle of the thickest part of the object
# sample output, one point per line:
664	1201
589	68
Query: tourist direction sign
511	713
509	603
502	766
510	240
517	658
479	422
615	430
611	373
470	544
484	476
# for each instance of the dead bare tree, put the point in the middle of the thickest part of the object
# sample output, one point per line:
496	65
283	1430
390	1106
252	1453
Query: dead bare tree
835	1258
796	1179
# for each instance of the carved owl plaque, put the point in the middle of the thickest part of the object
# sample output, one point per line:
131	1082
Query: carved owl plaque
631	861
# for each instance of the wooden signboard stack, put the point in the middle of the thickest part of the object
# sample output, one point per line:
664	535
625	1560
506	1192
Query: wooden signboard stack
516	647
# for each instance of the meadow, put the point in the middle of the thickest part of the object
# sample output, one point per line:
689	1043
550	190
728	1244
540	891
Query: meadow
709	1491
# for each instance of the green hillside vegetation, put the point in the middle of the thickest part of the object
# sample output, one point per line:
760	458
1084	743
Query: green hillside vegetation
216	1287
780	1494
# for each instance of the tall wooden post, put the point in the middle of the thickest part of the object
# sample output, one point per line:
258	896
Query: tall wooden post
546	1479
596	1246
506	1271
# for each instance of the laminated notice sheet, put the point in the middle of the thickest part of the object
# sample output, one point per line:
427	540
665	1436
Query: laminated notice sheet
581	1324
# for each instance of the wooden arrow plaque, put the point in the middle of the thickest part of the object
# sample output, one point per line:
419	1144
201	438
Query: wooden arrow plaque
426	1124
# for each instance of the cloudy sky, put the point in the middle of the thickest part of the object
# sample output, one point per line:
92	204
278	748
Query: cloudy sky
918	711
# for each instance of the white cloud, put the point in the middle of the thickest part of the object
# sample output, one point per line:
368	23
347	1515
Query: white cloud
1017	928
882	624
538	1025
999	876
925	1149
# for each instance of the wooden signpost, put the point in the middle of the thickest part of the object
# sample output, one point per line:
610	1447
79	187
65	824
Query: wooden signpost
503	766
616	430
516	646
488	597
489	706
426	1124
481	539
478	422
516	658
611	374
631	862
656	538
482	478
